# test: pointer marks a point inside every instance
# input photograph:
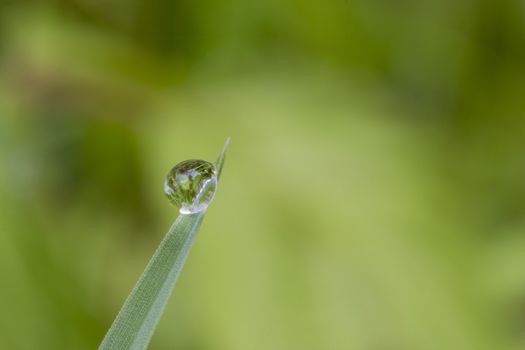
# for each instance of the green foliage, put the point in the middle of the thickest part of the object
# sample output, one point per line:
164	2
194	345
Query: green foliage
376	201
138	318
136	321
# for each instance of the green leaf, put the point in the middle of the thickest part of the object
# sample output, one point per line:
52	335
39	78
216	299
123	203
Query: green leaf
136	321
219	162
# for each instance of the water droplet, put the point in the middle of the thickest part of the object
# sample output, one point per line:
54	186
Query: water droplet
191	185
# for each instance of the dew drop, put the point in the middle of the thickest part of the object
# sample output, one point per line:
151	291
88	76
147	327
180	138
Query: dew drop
191	185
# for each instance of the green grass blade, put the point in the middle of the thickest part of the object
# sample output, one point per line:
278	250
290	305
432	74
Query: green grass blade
136	321
219	162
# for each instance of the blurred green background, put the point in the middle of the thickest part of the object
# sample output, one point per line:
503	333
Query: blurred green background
374	192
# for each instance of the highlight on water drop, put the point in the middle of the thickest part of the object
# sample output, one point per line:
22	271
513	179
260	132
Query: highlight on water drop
191	185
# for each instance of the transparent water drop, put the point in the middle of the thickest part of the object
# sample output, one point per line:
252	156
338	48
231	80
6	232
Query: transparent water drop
191	185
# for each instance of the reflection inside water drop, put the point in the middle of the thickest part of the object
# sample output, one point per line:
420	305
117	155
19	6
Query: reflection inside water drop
191	185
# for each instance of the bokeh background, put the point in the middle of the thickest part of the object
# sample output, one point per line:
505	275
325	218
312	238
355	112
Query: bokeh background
373	196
